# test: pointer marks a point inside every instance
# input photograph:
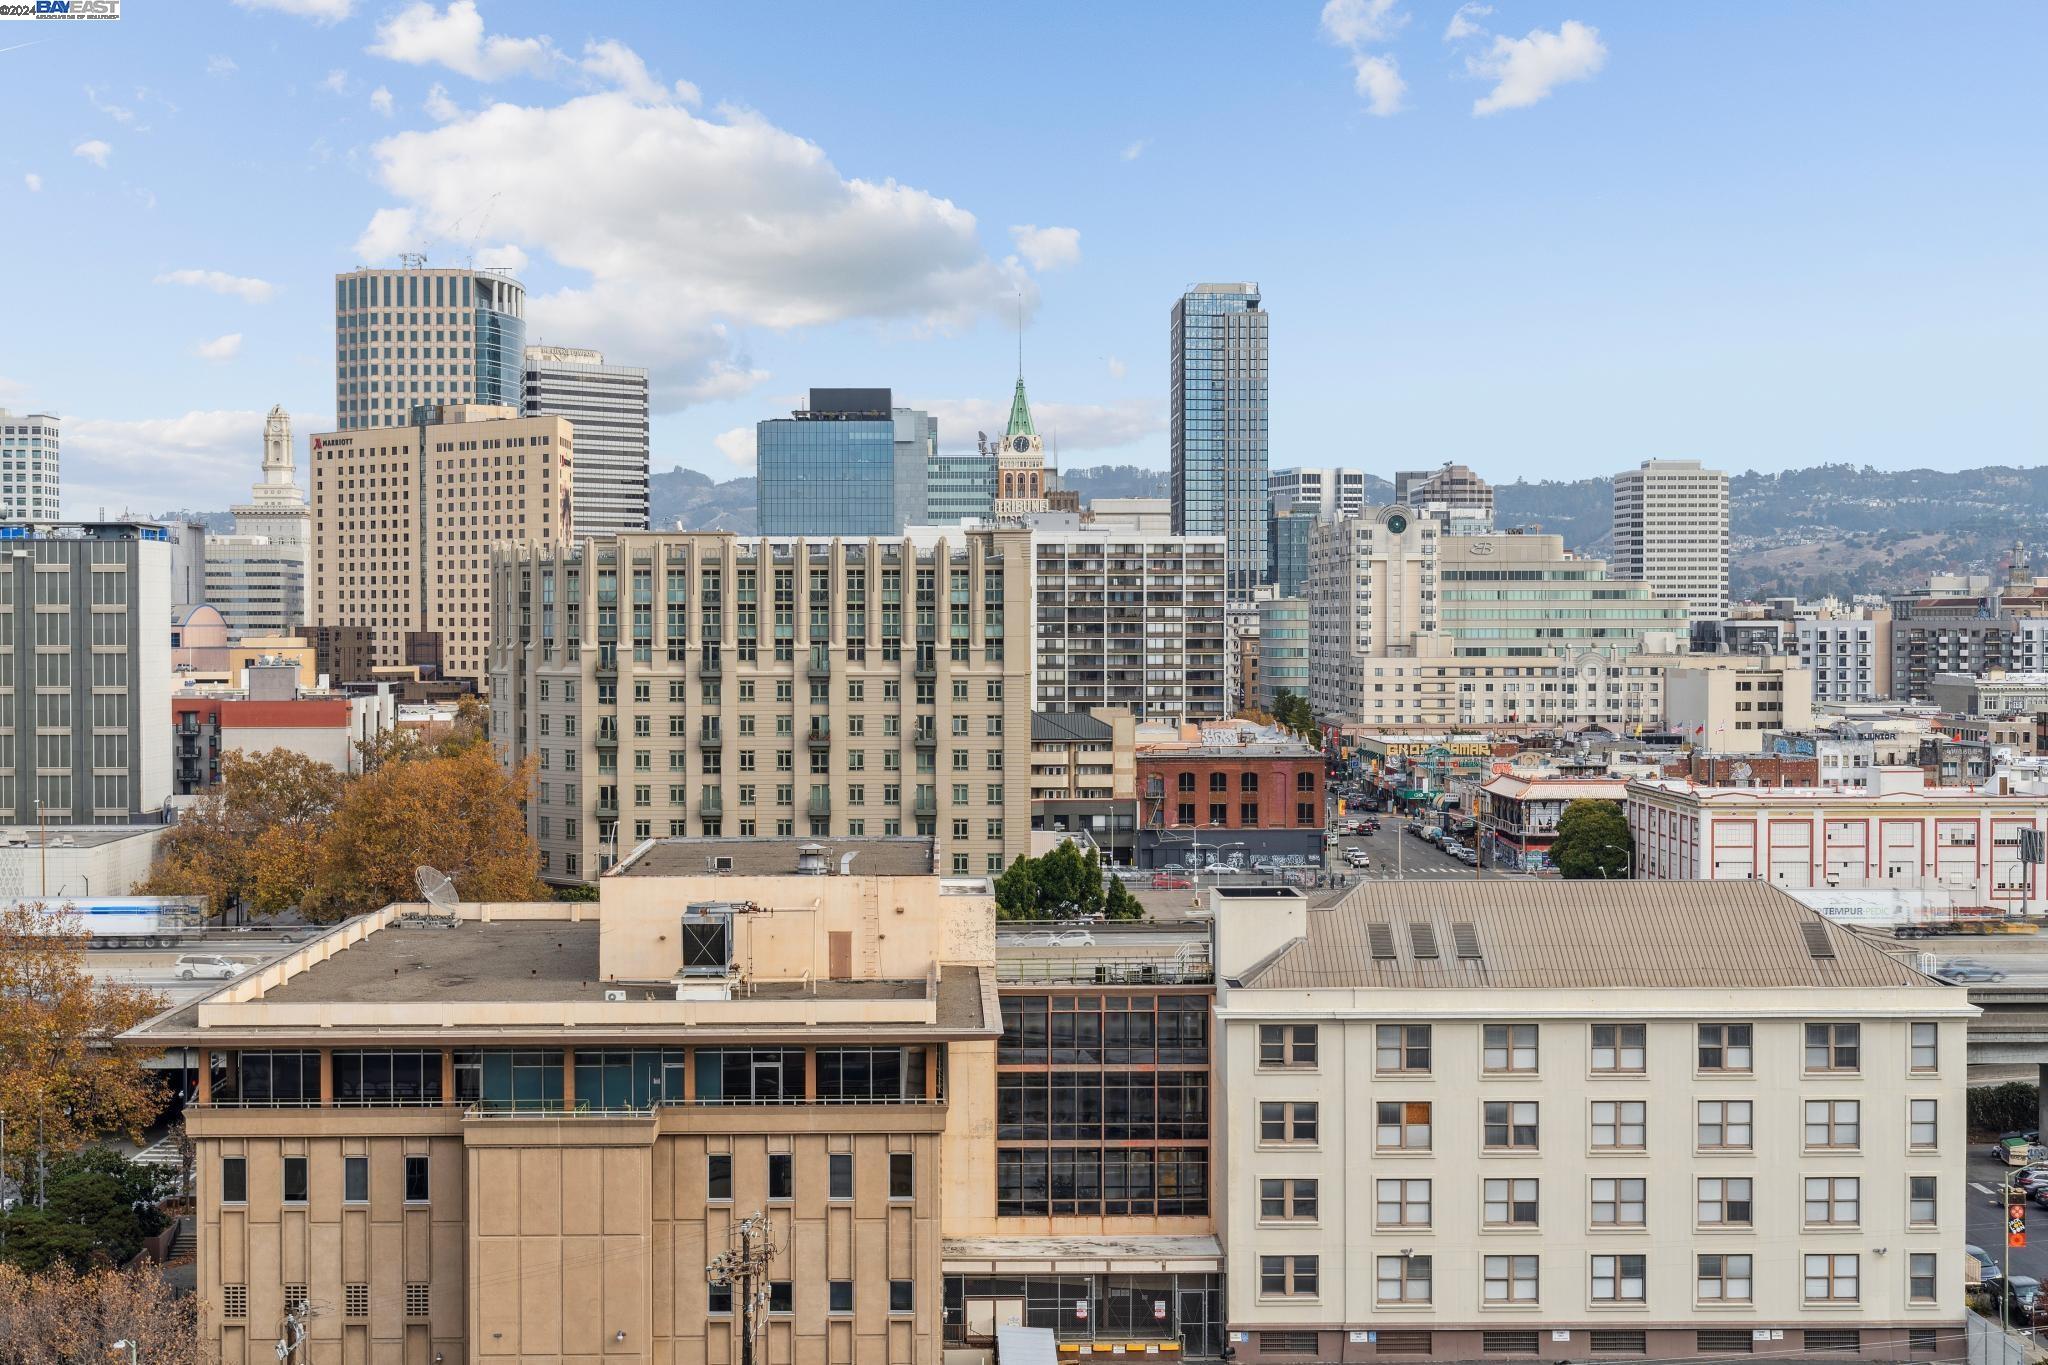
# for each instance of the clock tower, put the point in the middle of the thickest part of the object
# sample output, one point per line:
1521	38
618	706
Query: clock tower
1020	462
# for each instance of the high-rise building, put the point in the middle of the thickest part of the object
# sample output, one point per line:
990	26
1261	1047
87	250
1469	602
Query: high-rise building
1466	499
849	464
1332	492
1671	531
256	578
699	683
1287	542
31	460
420	337
1218	426
1020	462
404	520
608	405
1283	649
961	488
1130	620
86	650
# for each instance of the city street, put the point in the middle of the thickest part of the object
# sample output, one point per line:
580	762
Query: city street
1984	1217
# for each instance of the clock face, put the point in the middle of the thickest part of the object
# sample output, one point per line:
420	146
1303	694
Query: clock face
1397	523
1020	444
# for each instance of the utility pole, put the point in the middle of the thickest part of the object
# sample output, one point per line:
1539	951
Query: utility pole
743	1268
292	1335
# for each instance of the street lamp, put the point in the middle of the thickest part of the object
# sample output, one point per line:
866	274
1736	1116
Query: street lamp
125	1344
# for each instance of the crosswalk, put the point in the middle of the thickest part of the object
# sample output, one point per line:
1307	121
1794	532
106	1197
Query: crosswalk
162	1152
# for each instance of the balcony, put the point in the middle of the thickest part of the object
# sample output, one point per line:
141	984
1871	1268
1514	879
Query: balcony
925	737
710	664
819	736
820	666
607	737
607	667
711	737
926	802
926	667
608	807
819	806
711	804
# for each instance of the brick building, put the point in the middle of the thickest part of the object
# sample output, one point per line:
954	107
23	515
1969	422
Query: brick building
1263	799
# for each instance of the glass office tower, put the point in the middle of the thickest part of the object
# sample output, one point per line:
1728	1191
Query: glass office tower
1219	426
849	464
421	337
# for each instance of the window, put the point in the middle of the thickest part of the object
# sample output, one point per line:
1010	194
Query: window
781	1296
1920	1280
1723	1279
1404	1279
415	1180
902	1298
719	1299
295	1180
1287	1121
1926	1047
839	1297
1289	1276
1921	1208
1834	1123
1286	1045
1832	1278
1724	1125
1289	1200
1510	1279
234	1180
781	1175
1403	1203
1403	1126
1510	1125
1510	1203
902	1182
1401	1047
1618	1124
1922	1131
1725	1201
1726	1047
718	1176
1617	1279
1834	1047
1833	1200
839	1175
1510	1047
1619	1047
355	1180
1618	1202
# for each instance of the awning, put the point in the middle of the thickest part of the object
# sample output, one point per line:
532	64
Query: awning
1198	1255
1411	794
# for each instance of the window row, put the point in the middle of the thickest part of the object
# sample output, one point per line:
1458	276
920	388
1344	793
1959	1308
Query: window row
1042	1182
780	1180
1068	1106
296	1181
1114	1030
781	1297
1614	1049
1718	1277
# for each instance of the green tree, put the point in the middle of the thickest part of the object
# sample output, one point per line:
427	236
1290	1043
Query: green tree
98	1208
1062	884
1119	903
1592	841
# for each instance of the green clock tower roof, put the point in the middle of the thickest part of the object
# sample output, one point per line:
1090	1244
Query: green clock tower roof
1020	413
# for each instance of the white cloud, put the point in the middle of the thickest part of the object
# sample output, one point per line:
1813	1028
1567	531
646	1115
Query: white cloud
320	11
1526	70
505	257
1047	248
1117	369
439	107
420	35
200	460
221	347
245	287
737	445
33	181
336	81
1463	23
113	111
685	228
1352	22
220	64
380	100
1378	79
1082	427
1133	150
614	65
95	151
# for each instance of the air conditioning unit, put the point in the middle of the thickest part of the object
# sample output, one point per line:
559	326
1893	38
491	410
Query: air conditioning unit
613	997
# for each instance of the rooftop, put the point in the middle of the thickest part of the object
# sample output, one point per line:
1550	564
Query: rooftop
1064	727
771	857
1517	933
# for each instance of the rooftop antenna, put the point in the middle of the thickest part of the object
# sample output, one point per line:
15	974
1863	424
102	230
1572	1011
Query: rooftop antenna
1020	334
412	260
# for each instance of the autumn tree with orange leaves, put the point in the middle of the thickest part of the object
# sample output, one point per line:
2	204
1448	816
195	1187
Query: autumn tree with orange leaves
253	840
60	1317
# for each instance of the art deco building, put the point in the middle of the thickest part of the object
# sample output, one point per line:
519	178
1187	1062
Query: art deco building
256	578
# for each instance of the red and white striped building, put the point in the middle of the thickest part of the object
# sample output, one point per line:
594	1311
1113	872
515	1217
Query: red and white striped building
1897	833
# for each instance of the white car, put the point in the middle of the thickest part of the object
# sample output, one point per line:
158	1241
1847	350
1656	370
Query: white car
1358	857
207	967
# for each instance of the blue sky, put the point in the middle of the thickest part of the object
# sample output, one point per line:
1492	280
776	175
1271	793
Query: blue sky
1547	239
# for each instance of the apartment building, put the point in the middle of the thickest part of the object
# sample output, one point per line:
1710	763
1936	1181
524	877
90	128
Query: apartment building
1989	694
607	407
1518	814
1372	587
1735	703
1202	803
1968	624
1084	778
1130	621
1330	492
31	466
1283	650
1671	531
526	1130
1551	1121
700	683
1464	497
1849	653
405	519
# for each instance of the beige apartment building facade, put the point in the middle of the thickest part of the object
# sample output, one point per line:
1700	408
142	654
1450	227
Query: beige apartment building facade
405	519
525	1135
672	684
1551	1120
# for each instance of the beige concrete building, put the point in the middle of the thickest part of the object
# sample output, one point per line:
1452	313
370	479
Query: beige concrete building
524	1135
419	337
1558	1120
405	518
675	683
1671	530
1734	703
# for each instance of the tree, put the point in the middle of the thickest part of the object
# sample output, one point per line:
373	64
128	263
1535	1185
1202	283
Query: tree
61	1317
462	814
1291	712
1119	903
1592	841
252	840
98	1209
1061	884
60	1082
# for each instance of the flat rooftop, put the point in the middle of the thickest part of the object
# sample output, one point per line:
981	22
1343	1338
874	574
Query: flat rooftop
773	857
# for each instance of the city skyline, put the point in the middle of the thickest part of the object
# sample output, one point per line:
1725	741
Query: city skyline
1523	315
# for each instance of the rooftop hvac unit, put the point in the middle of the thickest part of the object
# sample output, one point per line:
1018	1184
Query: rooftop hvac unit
614	997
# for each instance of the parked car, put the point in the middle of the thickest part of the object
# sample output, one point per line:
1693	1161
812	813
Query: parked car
2026	1178
2019	1296
207	967
1357	857
2005	1145
1170	881
1968	969
1987	1267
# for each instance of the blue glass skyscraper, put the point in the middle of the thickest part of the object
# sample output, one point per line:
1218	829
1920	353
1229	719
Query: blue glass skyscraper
1218	415
463	335
849	464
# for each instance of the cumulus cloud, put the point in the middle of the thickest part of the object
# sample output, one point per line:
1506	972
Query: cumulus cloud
1464	22
687	229
319	11
737	445
247	288
335	82
1378	79
1082	427
1352	22
33	181
439	107
380	100
421	35
504	257
614	65
199	459
1526	70
221	347
219	64
1133	150
1047	248
95	151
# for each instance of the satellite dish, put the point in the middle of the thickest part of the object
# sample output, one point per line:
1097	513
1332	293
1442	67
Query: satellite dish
438	889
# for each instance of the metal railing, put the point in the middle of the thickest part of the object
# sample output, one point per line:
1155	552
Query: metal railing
554	1109
1068	969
